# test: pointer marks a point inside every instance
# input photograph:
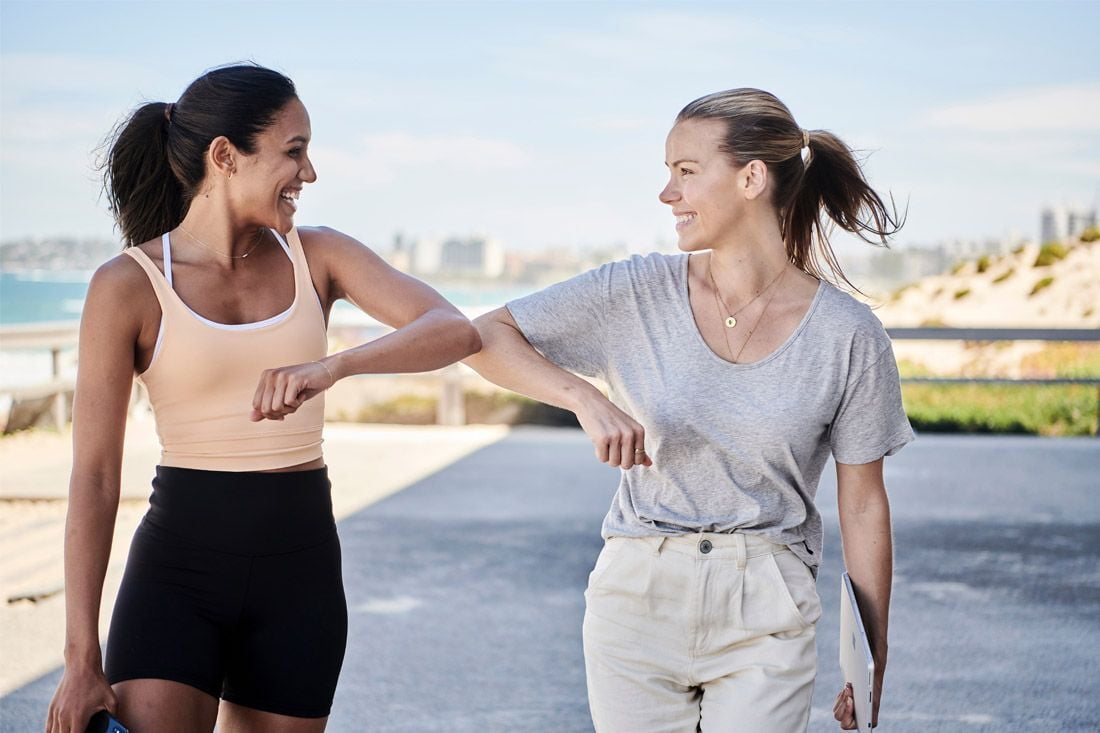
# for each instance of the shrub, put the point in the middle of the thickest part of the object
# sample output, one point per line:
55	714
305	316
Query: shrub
1019	249
1001	408
1041	285
1004	275
962	293
958	268
1050	253
983	263
1091	234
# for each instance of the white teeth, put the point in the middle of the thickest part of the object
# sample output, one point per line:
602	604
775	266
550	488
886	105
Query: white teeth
684	218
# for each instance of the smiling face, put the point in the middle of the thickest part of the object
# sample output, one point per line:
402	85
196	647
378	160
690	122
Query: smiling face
266	184
706	191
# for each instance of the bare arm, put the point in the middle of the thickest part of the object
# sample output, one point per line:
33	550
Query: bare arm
869	557
508	359
430	332
108	332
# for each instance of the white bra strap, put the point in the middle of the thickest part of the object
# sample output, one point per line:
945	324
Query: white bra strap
284	245
167	259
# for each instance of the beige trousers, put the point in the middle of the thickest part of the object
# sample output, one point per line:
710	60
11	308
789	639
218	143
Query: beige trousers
708	632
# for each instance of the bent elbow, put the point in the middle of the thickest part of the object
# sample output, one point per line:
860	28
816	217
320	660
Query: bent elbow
472	343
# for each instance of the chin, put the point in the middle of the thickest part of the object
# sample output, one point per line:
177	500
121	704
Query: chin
690	244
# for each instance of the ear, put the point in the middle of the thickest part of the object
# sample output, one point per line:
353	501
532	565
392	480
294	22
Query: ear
222	157
754	179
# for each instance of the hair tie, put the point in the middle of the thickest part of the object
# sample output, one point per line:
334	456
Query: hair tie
168	111
806	152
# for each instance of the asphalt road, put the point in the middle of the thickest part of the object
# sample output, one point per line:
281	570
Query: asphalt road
465	592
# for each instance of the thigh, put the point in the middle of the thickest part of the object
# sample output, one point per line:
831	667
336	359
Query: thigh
635	648
286	652
771	690
234	718
173	609
164	706
765	681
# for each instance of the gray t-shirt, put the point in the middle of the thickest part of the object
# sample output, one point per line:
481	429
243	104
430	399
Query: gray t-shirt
734	446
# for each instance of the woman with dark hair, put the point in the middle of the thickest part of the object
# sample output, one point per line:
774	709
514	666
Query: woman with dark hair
734	369
232	589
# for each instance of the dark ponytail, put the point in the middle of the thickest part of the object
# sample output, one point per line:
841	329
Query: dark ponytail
827	178
156	158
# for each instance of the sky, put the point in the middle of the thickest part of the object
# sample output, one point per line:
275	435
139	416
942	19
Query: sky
543	124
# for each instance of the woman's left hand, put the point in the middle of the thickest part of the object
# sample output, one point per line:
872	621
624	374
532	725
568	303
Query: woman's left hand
844	710
282	391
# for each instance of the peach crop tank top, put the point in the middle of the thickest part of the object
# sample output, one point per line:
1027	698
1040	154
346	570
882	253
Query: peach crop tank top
204	374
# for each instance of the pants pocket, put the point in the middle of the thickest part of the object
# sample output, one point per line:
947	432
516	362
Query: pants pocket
798	587
612	550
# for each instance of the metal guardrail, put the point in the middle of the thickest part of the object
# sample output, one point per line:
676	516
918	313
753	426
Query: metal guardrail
1002	334
57	336
54	336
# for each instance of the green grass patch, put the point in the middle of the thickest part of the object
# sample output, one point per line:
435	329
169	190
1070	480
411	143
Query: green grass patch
1050	253
1090	235
1004	275
958	268
959	294
1040	286
983	263
1054	410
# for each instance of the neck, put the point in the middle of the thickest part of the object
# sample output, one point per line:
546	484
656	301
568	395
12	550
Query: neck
218	236
748	260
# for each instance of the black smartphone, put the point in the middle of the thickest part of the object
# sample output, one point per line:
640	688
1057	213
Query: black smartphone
104	722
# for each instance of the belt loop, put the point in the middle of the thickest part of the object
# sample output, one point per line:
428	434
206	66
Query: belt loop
741	550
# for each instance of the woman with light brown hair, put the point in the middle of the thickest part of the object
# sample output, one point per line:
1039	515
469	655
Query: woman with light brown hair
735	369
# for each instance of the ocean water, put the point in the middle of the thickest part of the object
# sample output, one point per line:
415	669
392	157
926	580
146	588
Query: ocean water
43	296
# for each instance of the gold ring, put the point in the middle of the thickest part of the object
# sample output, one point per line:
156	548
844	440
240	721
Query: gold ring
640	450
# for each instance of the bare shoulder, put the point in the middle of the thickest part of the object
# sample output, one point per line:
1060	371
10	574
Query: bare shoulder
328	241
120	291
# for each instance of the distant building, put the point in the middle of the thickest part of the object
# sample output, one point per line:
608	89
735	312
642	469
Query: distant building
479	256
474	256
1062	222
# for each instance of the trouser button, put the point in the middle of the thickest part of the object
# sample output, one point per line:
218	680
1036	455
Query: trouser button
705	546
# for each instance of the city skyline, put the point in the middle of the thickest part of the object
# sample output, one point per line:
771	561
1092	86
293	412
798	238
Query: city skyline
544	124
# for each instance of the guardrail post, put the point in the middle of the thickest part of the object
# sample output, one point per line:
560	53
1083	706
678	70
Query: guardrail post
452	407
59	398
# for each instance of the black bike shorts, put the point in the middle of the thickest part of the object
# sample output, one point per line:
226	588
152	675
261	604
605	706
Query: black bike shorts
233	586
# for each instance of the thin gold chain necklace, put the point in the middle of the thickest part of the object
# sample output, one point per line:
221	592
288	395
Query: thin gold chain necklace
731	319
758	319
204	245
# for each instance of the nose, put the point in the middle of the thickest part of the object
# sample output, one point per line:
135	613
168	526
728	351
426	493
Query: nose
670	194
307	173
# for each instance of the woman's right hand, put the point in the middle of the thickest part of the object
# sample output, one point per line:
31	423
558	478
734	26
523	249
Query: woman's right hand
618	438
82	692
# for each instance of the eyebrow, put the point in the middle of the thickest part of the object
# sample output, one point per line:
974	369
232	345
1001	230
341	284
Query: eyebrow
298	139
678	162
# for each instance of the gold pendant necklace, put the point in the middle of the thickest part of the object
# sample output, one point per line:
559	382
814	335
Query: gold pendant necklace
731	319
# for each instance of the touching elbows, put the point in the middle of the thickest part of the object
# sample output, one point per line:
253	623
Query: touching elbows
469	337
